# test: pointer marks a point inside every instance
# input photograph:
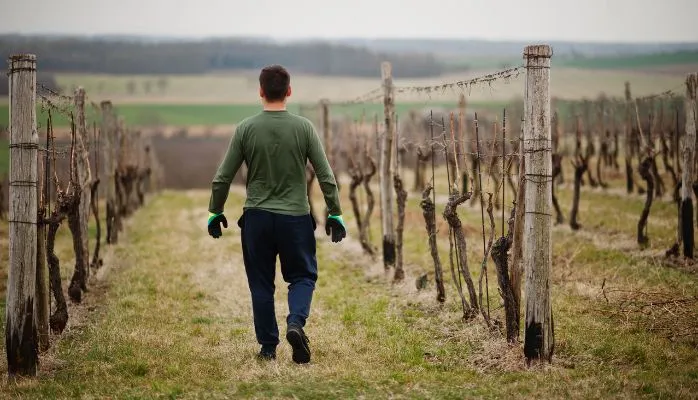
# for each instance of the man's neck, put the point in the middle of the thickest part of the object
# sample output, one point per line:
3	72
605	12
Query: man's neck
276	106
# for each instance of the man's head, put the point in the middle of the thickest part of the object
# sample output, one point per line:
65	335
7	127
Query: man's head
274	83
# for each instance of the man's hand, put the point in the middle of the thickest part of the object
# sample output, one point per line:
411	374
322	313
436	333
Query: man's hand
214	224
335	227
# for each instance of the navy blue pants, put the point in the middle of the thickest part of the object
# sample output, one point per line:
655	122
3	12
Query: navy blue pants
264	236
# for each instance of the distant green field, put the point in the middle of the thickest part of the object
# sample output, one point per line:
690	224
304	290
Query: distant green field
630	62
220	114
156	114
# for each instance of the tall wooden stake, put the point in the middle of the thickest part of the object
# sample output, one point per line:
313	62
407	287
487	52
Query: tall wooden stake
689	148
42	304
463	147
327	138
108	130
82	163
630	180
21	338
326	132
516	271
385	176
537	251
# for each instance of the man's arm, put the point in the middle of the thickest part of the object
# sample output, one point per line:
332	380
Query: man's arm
323	172
225	174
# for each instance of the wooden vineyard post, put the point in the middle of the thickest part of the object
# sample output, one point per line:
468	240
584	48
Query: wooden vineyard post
82	163
326	132
537	251
21	337
463	148
629	178
327	137
688	152
109	133
119	173
386	184
516	270
42	304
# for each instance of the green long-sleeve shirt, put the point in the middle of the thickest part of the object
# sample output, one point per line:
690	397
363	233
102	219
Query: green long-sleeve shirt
276	147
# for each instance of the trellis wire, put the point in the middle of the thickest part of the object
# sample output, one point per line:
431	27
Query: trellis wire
467	84
464	84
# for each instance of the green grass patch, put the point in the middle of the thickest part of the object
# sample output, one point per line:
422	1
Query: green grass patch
632	61
222	114
177	320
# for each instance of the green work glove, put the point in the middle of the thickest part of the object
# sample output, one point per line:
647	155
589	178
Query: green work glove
214	224
335	227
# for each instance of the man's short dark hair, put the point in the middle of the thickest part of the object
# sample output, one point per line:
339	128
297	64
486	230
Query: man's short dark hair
274	80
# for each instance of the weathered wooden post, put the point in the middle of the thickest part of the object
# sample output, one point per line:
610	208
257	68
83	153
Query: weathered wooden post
327	138
108	129
689	148
21	338
84	178
628	124
537	251
463	147
386	183
516	270
42	302
326	132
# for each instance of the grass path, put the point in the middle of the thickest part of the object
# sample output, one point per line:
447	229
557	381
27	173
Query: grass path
175	322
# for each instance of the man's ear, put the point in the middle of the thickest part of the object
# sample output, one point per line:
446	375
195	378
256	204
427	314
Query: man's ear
288	92
261	92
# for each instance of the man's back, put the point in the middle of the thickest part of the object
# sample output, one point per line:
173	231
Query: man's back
276	146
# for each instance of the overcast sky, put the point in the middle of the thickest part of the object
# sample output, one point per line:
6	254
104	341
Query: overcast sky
579	20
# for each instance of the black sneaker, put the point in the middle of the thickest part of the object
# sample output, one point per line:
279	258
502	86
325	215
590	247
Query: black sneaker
266	355
299	343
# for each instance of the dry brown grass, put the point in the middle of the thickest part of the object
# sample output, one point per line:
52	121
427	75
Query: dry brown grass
176	322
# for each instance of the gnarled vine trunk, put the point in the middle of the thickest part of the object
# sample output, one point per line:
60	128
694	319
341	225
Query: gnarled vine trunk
580	167
96	260
370	204
500	250
451	216
646	174
401	197
557	170
429	213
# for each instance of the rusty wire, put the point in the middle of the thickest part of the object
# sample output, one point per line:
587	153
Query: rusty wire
428	90
463	85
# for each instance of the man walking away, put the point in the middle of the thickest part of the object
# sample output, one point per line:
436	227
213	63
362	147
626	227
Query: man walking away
276	146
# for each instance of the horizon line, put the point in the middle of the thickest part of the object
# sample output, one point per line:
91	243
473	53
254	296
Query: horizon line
343	38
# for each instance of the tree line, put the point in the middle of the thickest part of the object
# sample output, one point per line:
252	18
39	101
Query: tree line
122	56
